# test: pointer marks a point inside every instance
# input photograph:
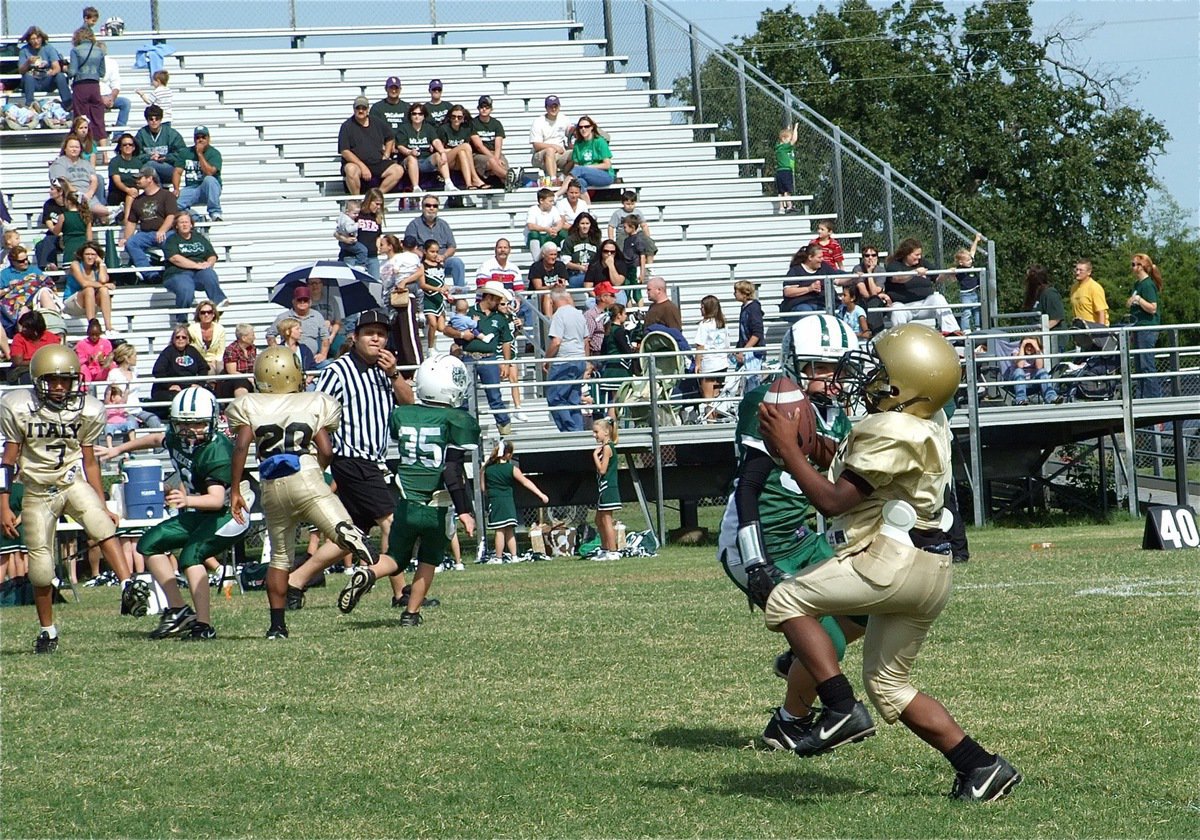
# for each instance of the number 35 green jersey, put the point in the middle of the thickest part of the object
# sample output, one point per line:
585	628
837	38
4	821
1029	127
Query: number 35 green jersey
423	434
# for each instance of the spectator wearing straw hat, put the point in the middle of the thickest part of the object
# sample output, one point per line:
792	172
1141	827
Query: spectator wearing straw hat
491	339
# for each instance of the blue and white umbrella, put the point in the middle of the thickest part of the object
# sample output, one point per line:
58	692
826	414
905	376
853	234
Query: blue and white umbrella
359	291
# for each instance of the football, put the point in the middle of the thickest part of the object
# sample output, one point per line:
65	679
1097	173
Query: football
790	398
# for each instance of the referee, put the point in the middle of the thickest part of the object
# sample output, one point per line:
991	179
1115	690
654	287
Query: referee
366	383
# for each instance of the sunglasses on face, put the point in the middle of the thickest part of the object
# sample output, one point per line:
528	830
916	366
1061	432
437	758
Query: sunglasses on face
430	206
207	312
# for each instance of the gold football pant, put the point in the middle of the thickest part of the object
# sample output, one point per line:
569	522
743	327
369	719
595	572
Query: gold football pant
292	499
40	513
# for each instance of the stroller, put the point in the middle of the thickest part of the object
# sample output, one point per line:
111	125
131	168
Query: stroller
1099	357
634	395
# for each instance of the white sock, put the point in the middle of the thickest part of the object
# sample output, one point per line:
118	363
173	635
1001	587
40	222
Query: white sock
51	631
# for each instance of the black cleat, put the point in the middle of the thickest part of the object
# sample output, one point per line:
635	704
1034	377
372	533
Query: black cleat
174	622
783	663
986	784
359	585
295	599
408	619
277	633
45	644
833	729
406	593
201	632
354	541
135	598
783	734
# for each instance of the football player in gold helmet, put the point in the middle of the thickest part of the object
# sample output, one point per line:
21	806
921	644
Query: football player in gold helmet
50	436
885	500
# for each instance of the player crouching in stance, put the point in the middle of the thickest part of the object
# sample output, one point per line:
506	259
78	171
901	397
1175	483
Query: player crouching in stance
886	492
204	526
432	436
50	436
290	429
769	530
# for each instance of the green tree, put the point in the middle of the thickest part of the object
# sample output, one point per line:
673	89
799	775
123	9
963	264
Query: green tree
996	124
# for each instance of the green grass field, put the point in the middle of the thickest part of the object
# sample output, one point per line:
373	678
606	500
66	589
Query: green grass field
579	699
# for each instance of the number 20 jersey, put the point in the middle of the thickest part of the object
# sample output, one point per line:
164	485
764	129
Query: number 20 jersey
423	433
285	423
51	440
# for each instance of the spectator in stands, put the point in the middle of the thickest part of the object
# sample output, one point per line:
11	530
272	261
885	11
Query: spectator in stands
437	108
851	314
494	339
32	336
662	309
190	258
88	60
455	134
365	146
88	287
596	317
487	141
912	291
622	362
207	335
785	167
868	284
1143	310
637	256
160	144
831	249
711	335
239	359
41	68
591	158
1088	301
1043	298
95	353
22	287
968	283
616	223
418	148
751	333
581	247
498	268
50	244
329	306
350	251
153	215
401	269
80	174
91	16
428	226
369	222
568	332
570	205
313	333
124	376
543	223
74	226
123	169
197	176
546	275
609	266
549	136
110	93
81	127
160	95
1028	364
391	111
805	293
179	361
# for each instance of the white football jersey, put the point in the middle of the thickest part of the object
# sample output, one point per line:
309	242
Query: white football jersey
51	440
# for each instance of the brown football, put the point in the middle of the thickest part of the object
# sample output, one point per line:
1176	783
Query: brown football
790	397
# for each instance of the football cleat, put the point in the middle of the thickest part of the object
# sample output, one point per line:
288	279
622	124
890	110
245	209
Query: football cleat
410	619
783	734
359	585
135	598
833	729
354	541
45	644
277	633
295	599
174	622
406	592
201	632
986	784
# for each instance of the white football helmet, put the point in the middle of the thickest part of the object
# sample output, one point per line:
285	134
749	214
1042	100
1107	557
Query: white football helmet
910	368
441	380
191	407
113	27
815	338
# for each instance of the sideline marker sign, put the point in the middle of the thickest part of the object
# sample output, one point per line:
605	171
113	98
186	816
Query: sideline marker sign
1170	527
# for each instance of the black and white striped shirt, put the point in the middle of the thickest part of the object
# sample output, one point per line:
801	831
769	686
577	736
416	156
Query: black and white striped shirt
365	394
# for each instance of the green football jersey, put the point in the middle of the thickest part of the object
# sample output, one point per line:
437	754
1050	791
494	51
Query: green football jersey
782	507
211	464
423	433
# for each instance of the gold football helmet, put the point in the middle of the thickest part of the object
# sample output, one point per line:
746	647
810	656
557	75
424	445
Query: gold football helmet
54	361
277	371
910	368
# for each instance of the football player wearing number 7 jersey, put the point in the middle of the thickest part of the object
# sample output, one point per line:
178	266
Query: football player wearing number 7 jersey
431	435
290	429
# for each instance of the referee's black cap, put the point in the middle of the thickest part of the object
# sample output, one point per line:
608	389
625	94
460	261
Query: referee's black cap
372	316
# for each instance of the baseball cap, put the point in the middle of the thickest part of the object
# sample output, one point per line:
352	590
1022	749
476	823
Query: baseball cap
302	293
392	81
485	100
435	84
551	101
362	101
604	288
372	316
148	172
200	131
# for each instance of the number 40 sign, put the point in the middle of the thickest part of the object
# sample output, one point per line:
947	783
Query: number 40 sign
1169	527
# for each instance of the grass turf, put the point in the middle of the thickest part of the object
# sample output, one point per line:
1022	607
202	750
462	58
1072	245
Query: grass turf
570	698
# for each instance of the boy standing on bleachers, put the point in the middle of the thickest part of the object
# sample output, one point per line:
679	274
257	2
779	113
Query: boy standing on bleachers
616	223
785	166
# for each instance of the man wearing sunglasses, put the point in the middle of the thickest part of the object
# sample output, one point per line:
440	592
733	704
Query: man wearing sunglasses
365	145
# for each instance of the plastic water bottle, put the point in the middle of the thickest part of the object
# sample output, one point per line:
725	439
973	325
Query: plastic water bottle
620	536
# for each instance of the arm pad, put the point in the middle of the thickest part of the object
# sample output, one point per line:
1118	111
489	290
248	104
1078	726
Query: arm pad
752	479
455	480
8	474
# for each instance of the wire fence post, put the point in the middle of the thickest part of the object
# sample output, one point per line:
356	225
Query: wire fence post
743	113
991	294
154	27
694	51
839	197
651	53
889	227
975	442
609	43
939	222
656	452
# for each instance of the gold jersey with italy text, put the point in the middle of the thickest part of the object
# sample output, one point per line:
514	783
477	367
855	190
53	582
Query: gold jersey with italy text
903	457
51	440
285	424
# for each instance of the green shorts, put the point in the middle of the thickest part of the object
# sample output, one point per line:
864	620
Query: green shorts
415	521
193	536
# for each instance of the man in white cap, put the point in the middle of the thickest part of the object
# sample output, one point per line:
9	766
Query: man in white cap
548	137
491	341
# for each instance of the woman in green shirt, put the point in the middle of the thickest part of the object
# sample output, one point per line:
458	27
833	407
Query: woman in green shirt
591	159
1143	310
